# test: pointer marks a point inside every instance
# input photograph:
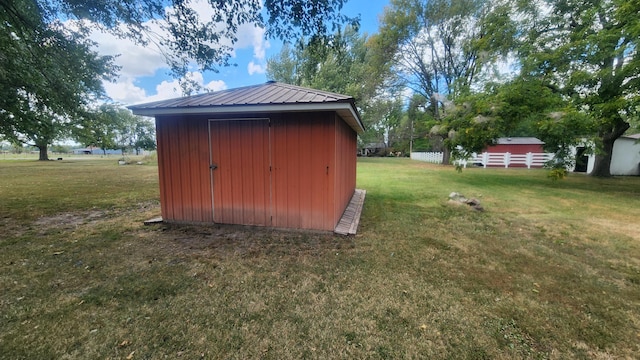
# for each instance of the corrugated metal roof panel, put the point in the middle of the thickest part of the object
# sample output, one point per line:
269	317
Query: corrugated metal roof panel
268	93
283	96
519	141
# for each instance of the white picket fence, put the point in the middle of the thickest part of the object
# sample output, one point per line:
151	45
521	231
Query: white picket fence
430	157
485	159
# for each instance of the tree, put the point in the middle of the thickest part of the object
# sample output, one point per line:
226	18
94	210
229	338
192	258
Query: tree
343	64
50	74
420	124
144	135
113	127
99	128
440	48
523	106
183	33
339	63
588	52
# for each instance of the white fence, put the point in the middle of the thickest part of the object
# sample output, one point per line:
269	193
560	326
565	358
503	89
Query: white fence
485	159
430	157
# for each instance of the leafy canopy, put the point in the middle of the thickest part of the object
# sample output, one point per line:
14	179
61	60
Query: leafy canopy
50	73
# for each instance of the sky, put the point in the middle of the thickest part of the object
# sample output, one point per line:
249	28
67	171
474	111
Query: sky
144	74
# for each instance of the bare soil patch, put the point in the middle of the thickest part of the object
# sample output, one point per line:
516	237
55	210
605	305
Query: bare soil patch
247	242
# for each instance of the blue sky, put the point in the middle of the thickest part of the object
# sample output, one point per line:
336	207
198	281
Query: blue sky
144	78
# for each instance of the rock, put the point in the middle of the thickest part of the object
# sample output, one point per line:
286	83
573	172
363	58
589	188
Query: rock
459	199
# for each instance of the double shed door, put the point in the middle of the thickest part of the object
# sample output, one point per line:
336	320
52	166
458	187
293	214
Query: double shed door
273	172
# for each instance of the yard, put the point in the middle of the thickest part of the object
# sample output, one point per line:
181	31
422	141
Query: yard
549	270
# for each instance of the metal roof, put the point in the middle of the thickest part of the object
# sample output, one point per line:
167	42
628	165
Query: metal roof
632	136
268	97
519	141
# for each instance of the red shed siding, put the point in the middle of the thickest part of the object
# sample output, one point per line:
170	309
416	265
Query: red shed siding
185	190
345	159
302	161
295	170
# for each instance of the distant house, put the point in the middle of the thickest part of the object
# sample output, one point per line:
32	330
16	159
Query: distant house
625	157
96	151
372	149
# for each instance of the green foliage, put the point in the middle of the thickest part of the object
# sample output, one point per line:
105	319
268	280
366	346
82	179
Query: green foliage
340	64
61	149
475	123
188	36
557	173
441	47
49	74
343	64
113	127
593	61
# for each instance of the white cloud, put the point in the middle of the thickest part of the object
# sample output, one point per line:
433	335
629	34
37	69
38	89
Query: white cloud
254	68
126	92
216	85
138	61
134	60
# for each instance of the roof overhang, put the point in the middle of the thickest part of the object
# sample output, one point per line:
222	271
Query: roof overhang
345	110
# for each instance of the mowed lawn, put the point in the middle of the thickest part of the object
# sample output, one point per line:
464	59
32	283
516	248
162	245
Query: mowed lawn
549	270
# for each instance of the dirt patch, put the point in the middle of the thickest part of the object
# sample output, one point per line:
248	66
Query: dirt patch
70	220
246	241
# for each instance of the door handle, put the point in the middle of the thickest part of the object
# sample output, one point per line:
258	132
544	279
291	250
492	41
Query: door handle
213	166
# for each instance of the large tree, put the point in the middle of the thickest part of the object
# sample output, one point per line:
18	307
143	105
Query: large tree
588	52
341	63
50	73
114	127
439	48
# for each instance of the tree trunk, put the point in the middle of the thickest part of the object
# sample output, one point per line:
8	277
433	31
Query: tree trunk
446	156
44	155
602	165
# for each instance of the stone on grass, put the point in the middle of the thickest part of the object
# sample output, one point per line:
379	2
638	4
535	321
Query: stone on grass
459	199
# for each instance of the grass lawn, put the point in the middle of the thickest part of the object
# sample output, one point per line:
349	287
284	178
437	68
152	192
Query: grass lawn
549	270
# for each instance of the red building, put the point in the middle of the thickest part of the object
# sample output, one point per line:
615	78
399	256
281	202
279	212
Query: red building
514	152
269	155
517	145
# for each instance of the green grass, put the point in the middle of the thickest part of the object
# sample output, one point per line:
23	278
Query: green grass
549	270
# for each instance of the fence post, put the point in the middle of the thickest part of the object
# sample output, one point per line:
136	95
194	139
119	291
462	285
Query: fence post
529	159
485	159
507	159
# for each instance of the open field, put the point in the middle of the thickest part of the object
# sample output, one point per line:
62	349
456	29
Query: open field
549	270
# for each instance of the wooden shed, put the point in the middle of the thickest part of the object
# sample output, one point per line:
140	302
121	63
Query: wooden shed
268	155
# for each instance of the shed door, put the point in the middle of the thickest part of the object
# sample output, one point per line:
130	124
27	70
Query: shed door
240	171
